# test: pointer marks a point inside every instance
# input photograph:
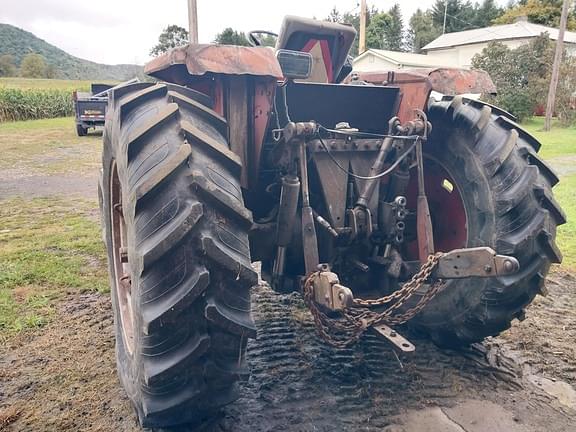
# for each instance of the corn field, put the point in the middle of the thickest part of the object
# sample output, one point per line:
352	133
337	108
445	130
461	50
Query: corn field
31	104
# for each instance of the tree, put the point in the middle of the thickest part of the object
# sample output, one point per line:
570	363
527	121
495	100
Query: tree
486	13
51	71
565	103
229	36
353	19
268	40
335	16
421	30
394	33
7	66
459	15
521	75
171	37
33	66
376	31
545	12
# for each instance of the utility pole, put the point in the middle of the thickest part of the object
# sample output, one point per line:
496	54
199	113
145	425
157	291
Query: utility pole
192	21
556	67
362	40
445	13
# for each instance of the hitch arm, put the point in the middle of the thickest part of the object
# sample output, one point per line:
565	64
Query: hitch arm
478	262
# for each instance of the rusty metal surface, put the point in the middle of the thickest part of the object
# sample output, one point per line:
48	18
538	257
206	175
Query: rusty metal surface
423	219
264	92
395	338
414	88
448	81
199	60
478	262
460	81
416	84
329	293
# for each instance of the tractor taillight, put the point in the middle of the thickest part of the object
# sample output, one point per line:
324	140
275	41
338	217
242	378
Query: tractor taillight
294	64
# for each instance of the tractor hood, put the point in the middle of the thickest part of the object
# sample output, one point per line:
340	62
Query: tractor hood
179	63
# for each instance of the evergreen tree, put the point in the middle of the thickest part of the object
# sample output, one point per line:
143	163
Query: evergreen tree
459	15
422	30
376	31
394	34
486	13
353	19
334	16
229	36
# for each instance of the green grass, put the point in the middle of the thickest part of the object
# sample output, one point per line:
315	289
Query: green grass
565	193
556	143
559	150
48	146
48	247
56	84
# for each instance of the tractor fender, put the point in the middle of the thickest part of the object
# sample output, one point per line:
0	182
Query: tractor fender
417	84
180	65
241	82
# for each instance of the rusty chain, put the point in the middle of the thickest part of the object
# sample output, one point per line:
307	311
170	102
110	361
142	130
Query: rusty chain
349	325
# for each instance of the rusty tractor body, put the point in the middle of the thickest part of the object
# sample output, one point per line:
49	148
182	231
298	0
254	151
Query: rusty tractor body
381	206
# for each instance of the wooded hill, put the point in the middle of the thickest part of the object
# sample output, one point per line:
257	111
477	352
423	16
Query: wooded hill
18	43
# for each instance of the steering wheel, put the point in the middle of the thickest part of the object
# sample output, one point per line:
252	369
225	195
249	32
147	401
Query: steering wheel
254	40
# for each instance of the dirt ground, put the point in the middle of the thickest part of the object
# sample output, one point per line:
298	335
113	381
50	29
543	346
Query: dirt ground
62	377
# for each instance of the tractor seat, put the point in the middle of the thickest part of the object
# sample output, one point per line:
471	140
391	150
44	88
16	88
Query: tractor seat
327	42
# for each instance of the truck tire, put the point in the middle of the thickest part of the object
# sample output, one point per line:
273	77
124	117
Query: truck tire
177	238
81	130
506	191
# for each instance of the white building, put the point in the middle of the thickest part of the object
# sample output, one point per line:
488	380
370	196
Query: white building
459	47
378	60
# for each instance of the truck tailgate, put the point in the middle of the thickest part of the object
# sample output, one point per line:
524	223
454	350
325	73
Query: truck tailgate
91	109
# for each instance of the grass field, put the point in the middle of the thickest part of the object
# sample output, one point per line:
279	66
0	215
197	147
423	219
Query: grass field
48	247
559	149
48	146
49	84
558	142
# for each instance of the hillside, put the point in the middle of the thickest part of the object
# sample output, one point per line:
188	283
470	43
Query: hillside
18	42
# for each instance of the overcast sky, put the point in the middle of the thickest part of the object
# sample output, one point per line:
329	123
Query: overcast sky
123	31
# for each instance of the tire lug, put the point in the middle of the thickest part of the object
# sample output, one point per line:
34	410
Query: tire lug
123	255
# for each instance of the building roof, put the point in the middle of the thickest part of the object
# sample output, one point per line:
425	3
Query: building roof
517	30
404	58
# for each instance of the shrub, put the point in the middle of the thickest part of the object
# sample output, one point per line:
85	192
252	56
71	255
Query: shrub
522	78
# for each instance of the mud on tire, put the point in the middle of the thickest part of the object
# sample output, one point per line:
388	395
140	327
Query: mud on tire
506	192
186	230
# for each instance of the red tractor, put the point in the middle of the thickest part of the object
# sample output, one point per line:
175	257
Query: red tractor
382	206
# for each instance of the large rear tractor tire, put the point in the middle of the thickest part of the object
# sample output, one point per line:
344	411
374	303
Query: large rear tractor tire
506	194
176	231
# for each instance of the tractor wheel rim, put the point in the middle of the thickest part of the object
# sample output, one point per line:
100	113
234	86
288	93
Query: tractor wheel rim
122	271
447	207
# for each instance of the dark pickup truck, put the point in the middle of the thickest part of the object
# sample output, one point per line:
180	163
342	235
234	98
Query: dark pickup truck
90	108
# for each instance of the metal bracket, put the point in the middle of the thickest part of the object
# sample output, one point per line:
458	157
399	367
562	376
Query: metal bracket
395	338
329	293
478	261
